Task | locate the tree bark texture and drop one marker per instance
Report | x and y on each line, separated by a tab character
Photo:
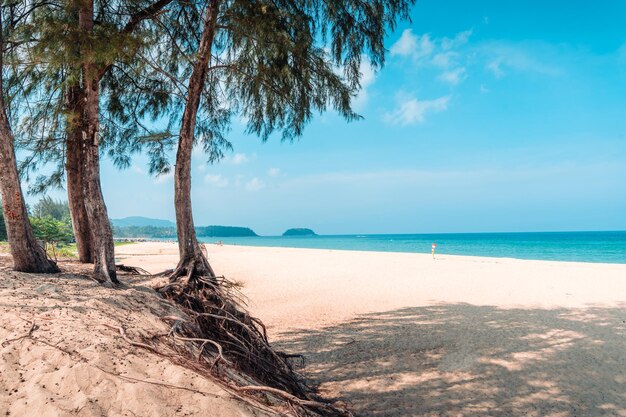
192	260
74	172
101	233
28	255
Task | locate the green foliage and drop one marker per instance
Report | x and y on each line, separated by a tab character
3	228
151	232
5	247
274	64
54	233
154	232
51	230
224	231
299	232
67	251
47	207
46	65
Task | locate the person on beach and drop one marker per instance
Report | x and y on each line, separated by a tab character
433	247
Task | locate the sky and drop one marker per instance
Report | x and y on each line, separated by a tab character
488	116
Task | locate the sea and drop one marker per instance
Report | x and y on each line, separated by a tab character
604	247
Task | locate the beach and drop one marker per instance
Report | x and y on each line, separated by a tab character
399	334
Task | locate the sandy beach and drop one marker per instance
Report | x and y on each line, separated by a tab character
396	334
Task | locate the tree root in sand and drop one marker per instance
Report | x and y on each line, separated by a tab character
132	270
223	333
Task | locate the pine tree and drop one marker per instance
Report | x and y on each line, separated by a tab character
28	255
81	42
48	207
273	62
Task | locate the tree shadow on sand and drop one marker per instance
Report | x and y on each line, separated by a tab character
465	360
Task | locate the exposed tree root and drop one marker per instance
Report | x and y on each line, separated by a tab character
318	405
223	333
197	265
33	327
132	270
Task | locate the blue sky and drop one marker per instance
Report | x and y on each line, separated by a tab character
488	116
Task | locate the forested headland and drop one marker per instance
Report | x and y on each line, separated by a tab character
155	232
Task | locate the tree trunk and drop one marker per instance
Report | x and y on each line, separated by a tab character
28	256
192	260
73	167
98	219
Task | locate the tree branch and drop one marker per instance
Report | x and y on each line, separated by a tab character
134	22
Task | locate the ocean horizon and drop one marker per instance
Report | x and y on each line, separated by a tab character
587	246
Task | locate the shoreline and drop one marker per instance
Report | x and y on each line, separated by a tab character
291	288
389	334
437	255
398	334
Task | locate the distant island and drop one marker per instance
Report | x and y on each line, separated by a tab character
299	232
144	227
141	221
224	231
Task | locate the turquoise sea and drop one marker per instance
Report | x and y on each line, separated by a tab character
608	247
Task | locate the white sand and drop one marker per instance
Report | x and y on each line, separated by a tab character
405	335
308	288
71	364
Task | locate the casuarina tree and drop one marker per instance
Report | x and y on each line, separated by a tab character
80	43
273	62
28	255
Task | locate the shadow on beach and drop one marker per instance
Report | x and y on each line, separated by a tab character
465	360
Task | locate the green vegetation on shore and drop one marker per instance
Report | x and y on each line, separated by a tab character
51	224
299	231
154	232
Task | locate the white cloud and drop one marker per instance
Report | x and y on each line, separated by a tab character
239	158
216	180
138	170
273	172
160	179
459	40
255	184
423	46
412	111
484	89
416	46
444	53
444	59
496	173
453	77
502	57
495	67
405	45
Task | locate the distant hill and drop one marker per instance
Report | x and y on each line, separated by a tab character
128	228
224	231
139	221
299	232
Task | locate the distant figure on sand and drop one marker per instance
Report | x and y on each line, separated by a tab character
434	246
